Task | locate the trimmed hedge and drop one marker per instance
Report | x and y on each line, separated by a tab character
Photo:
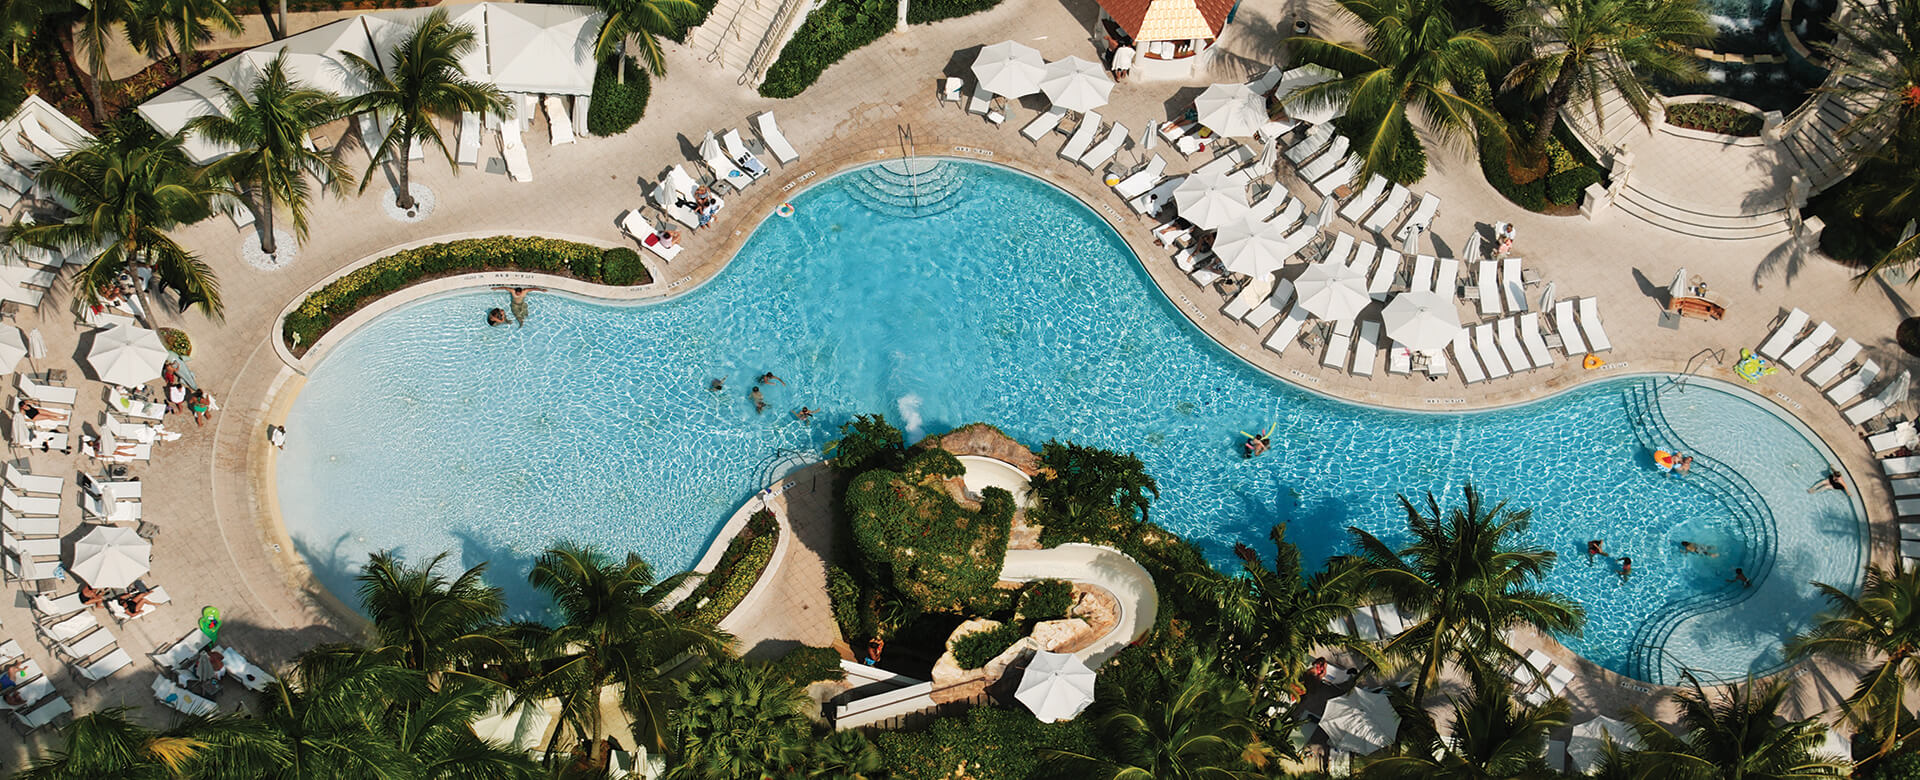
616	106
1715	118
976	649
986	743
746	558
805	665
930	11
1570	171
832	31
328	305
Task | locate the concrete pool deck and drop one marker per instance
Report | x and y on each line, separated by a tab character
211	491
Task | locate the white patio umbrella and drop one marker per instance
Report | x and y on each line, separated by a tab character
1411	234
1360	722
1250	246
1056	686
1076	84
1293	81
111	556
1010	69
13	348
1211	199
127	356
1586	747
1333	291
1896	390
1422	321
1231	109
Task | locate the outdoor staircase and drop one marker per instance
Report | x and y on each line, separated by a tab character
744	36
1603	132
1813	138
910	187
1702	221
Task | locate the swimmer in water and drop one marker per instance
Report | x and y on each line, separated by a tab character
1626	568
717	385
496	316
1686	465
759	401
1741	577
1693	549
1593	548
768	378
1832	481
804	414
519	304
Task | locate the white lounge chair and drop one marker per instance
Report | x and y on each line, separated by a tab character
469	151
1325	164
1784	336
239	668
737	149
107	665
181	651
1341	176
1311	144
1488	281
582	108
1851	388
47	547
1243	302
1530	337
1284	333
1366	349
1156	199
185	701
950	89
1590	327
1228	159
1463	354
1397	197
1901	487
723	169
118	401
774	141
1804	351
676	186
1363	256
1399	360
47	394
1446	277
514	151
1508	337
1138	182
981	101
1341	249
1569	330
1907	464
44	714
1358	205
635	225
1339	345
1422	278
64	605
1902	434
1488	351
35	688
1043	124
34	483
1391	624
559	121
1082	138
1271	306
1514	286
30	525
1365	626
80	649
28	505
1384	274
1423	214
119	512
72	627
1830	368
1891	393
1107	148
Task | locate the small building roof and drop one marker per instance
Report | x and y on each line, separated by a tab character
1169	20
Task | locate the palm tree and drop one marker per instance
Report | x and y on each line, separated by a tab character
107	743
176	28
1875	57
1736	736
610	632
643	23
844	755
1413	58
269	123
126	190
432	623
1195	726
437	732
1881	625
424	83
1883	192
1583	49
1469	580
1271	619
1493	736
93	21
738	720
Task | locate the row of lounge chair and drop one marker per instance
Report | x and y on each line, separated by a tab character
38	704
728	159
67	627
1790	345
1372	622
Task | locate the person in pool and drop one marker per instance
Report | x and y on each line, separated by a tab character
804	414
759	401
1593	549
1686	465
1257	446
1741	577
1626	568
519	303
768	378
1832	481
717	385
496	316
1694	549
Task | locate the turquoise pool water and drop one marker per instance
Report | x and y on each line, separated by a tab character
1008	301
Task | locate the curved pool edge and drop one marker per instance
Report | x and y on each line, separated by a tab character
760	206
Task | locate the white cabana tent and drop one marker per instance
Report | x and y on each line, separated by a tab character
111	556
474	17
127	356
1585	747
170	111
542	48
523	727
1332	291
1360	722
387	29
1009	69
1422	321
314	57
1056	686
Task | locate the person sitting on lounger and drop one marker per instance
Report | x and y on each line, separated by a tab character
37	413
10	684
91	597
668	238
134	603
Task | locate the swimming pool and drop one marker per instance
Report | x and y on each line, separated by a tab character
1008	301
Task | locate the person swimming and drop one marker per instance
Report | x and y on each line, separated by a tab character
1593	549
804	414
519	303
1257	445
1741	577
496	316
1693	549
768	378
1832	481
1686	465
717	385
759	401
1626	568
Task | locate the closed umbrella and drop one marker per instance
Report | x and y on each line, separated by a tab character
1211	199
1333	291
1010	69
1678	288
1588	744
13	348
1250	246
1324	216
1360	722
127	356
1231	109
1422	321
1056	686
111	556
1549	297
1076	84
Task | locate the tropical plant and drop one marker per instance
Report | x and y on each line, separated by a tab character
1270	619
432	624
1736	735
1883	194
641	23
1584	49
738	720
845	755
1080	481
424	83
867	442
106	743
1192	726
125	191
86	27
1875	57
177	28
611	632
1492	736
1413	58
268	123
1881	626
1468	579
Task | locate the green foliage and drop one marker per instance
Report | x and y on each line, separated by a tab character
586	266
616	106
13	88
328	305
991	743
1046	600
924	546
976	649
1409	162
176	341
1564	188
867	442
739	567
621	267
844	592
805	665
738	720
1080	484
930	11
933	462
1569	172
832	31
1905	766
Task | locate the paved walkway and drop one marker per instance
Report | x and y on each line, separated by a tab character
212	491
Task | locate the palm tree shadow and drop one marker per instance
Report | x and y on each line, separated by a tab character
507	570
1785	261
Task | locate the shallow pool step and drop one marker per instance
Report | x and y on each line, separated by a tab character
909	188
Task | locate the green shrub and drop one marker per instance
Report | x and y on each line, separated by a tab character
176	341
844	593
1564	188
327	306
616	106
1531	196
13	88
745	559
930	11
993	743
586	266
1715	118
829	33
805	665
867	442
621	267
976	649
1046	600
914	538
933	463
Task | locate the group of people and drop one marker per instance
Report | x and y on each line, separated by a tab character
134	602
1597	548
759	398
518	302
704	205
181	398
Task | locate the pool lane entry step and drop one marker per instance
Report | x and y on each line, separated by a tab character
909	187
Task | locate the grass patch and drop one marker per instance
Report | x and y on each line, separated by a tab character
1715	118
930	11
